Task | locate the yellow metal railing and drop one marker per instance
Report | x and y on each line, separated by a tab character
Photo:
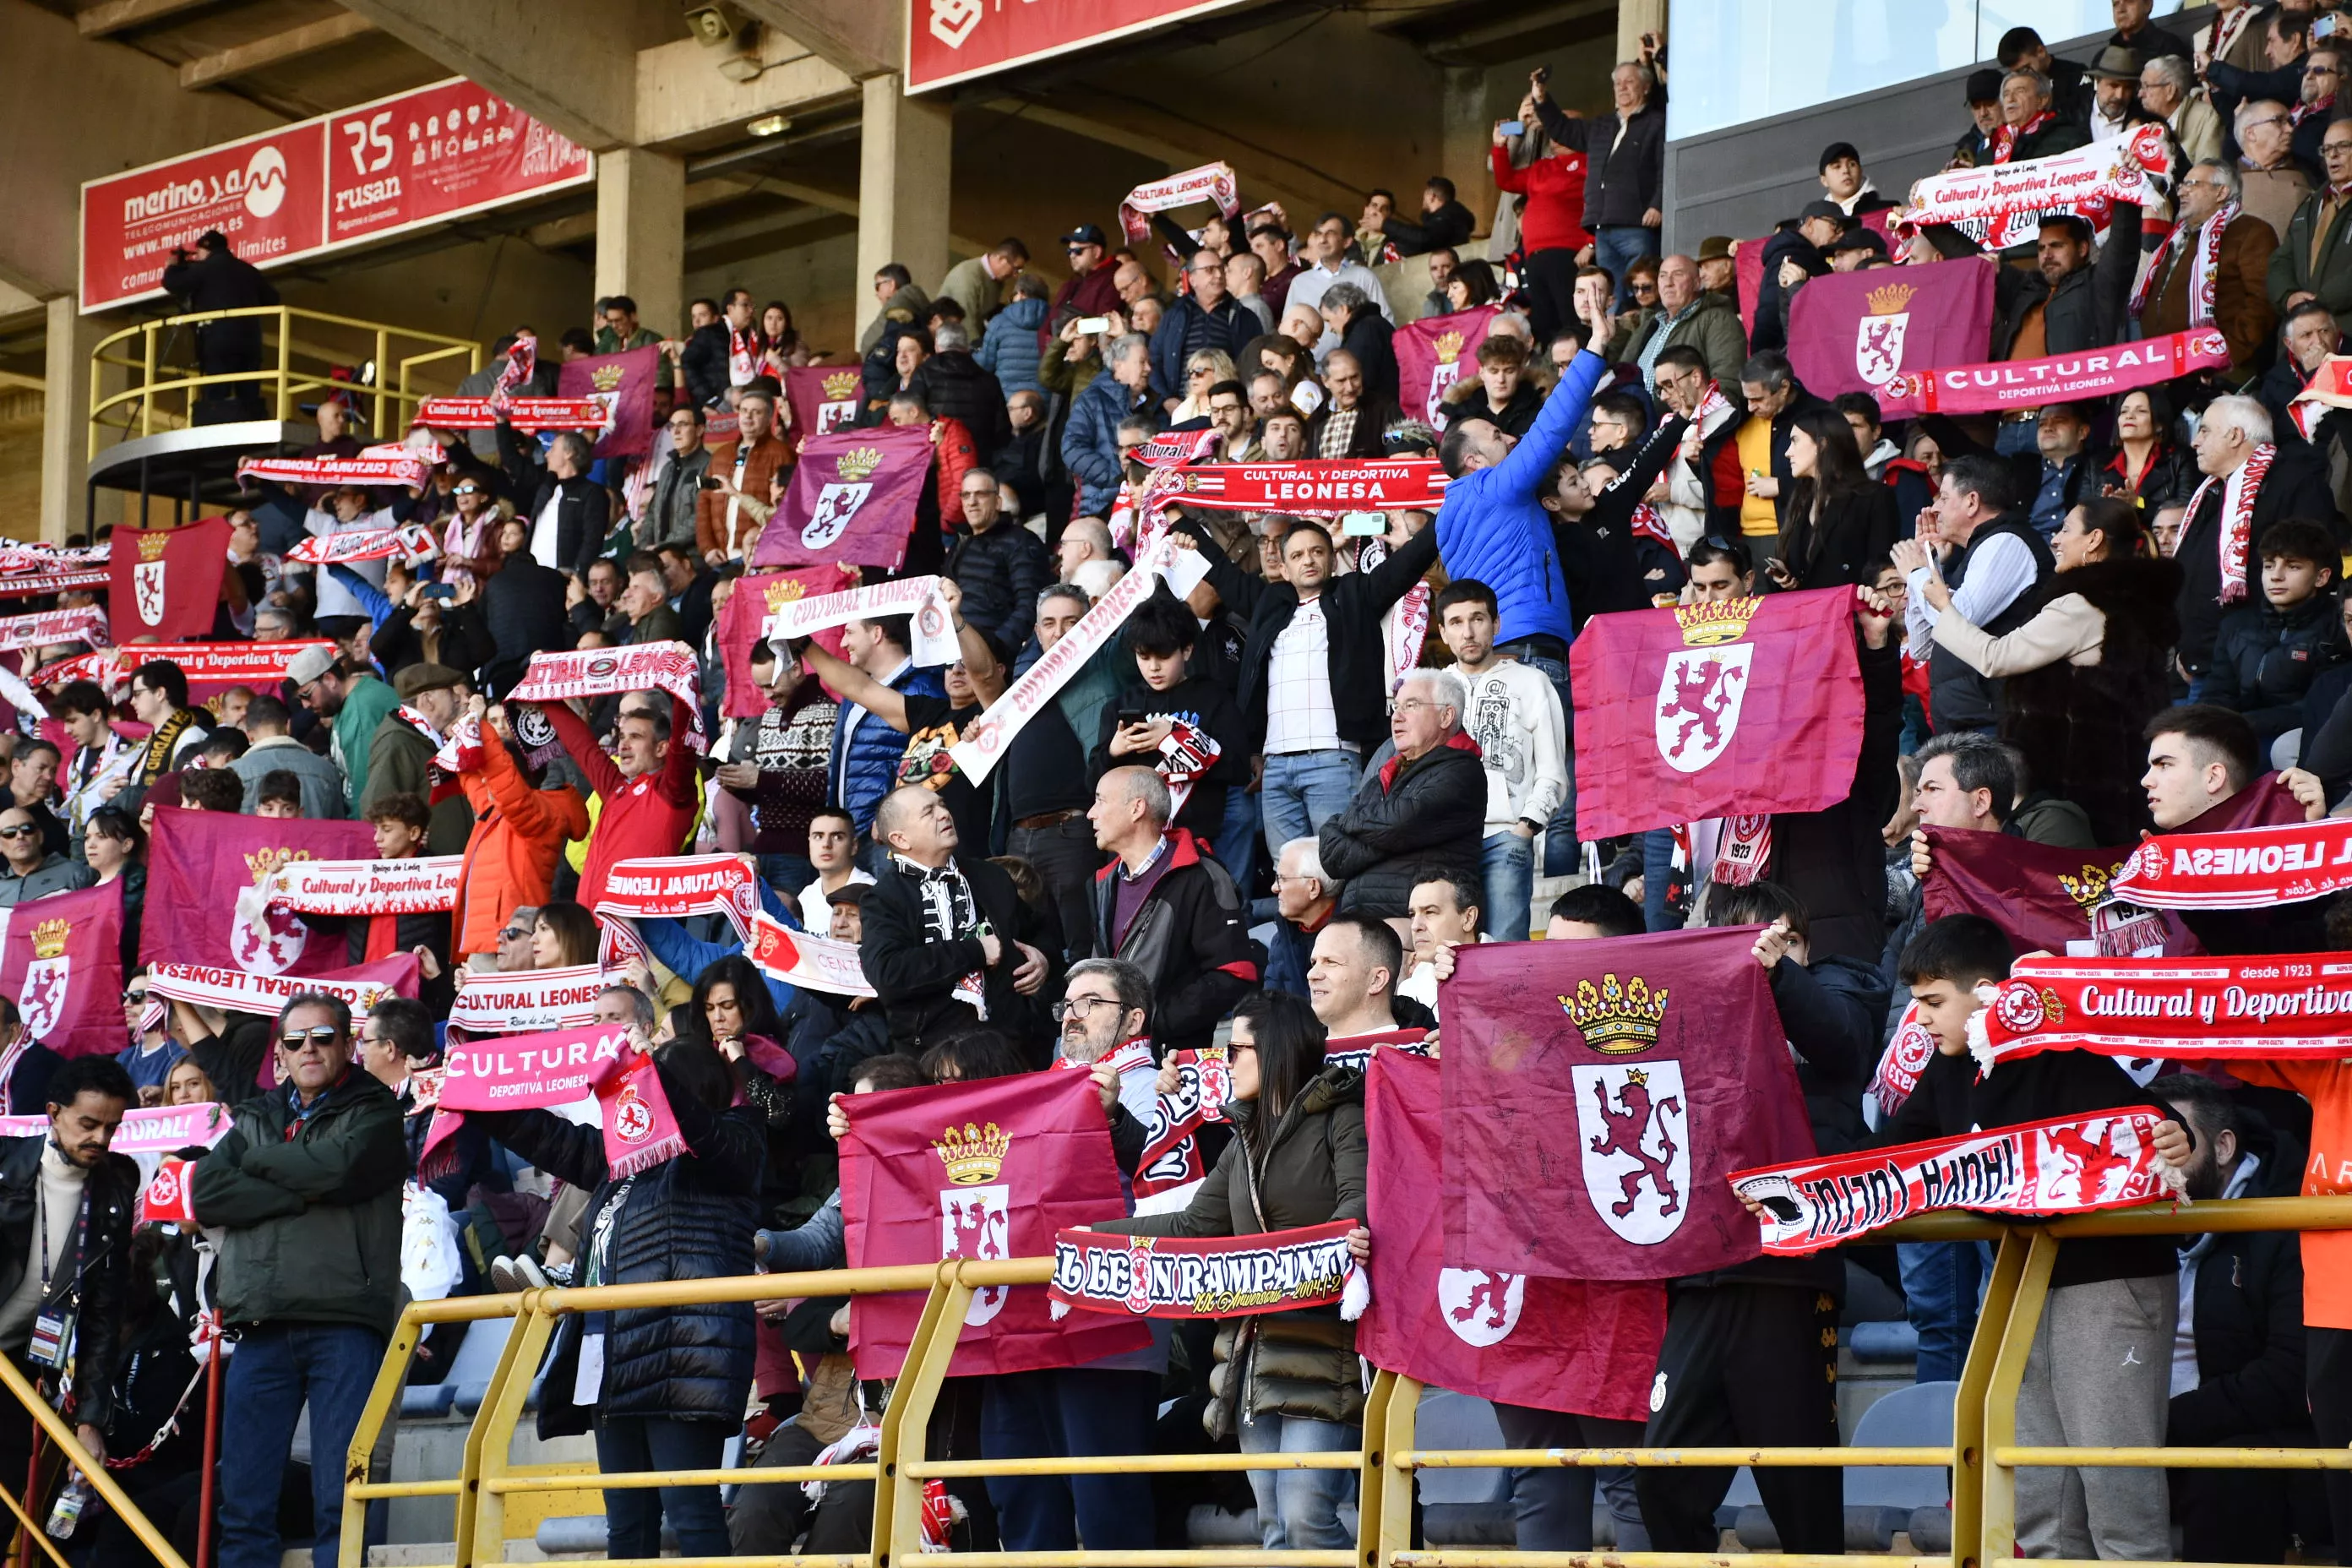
409	366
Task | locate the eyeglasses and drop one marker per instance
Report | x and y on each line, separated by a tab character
2319	70
323	1040
1081	1006
136	995
20	831
513	934
2273	120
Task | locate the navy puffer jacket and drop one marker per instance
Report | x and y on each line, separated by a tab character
691	1217
1009	352
865	762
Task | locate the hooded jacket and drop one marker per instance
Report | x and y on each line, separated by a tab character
1009	351
1190	937
1410	821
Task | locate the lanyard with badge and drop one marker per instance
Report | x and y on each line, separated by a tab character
588	1381
53	1326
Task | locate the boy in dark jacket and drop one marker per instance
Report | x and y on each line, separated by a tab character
1141	727
2266	655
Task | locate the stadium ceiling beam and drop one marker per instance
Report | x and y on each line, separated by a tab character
858	37
569	76
109	17
243	59
681	93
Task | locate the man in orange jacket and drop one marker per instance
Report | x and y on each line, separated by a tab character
520	832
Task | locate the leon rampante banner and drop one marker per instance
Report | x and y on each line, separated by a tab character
244	991
492	1004
409	542
364	887
918	598
165	582
803	958
676	886
145	1129
2295	1005
87	623
530	415
2058	378
853	499
1217	1276
2072	1165
1320	486
2252	869
2002	205
545	1071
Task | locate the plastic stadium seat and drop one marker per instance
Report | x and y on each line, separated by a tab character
423	1402
1463	1508
1879	1500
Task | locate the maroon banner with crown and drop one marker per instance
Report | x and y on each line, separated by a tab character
2039	894
622	384
1857	332
61	962
1436	353
745	615
1741	707
196	863
164	583
992	1169
853	499
1598	1093
822	398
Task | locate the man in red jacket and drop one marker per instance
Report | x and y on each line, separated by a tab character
646	790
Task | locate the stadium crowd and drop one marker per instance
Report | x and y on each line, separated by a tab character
1265	812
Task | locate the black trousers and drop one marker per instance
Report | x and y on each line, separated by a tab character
2327	1379
2247	1516
1551	292
1553	1504
1746	1364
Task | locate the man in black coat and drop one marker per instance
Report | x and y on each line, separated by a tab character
1364	333
2294	486
939	944
569	513
956	386
523	605
999	567
215	279
2083	302
1445	222
1420	815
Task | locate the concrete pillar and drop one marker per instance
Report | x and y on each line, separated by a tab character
1635	18
902	188
641	233
65	422
1464	134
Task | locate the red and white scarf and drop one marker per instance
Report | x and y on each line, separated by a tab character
409	540
361	886
87	623
1743	848
743	350
145	1129
2289	1006
2005	139
1906	1058
1647	524
599	672
244	991
462	752
799	958
522	361
1209	182
2204	265
2247	868
1185	755
2240	489
492	1004
1131	1057
544	1071
2303	111
673	887
528	415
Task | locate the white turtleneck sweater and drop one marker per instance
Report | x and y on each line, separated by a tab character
59	1207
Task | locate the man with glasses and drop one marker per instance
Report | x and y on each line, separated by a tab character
670	515
2312	260
724	525
1422	813
1167	909
306	1189
1090	289
514	956
2271	180
28	870
1693	487
1207	318
2212	268
999	567
1092	445
1327	246
2115	112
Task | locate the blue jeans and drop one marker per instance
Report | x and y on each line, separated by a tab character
1657	875
1300	1509
1617	246
1942	1283
632	1515
1506	876
1302	790
1070	1412
277	1369
1237	836
1560	833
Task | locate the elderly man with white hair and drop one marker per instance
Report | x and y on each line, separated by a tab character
1306	896
2167	89
2273	184
1420	815
2213	268
2250	483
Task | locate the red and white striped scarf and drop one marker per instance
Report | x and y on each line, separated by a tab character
2005	139
1647	524
2204	265
742	356
2239	492
522	361
2222	36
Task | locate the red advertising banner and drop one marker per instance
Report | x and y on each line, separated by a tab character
953	40
360	174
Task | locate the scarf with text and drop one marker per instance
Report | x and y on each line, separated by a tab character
544	1071
528	414
362	887
2239	492
1743	848
2289	1006
144	1130
1356	1050
1209	182
205	664
930	625
1320	487
522	363
494	1003
86	624
462	752
803	959
1906	1058
63	583
244	991
2204	265
1197	1278
1172	1147
160	743
612	672
385	463
2075	1165
675	885
2251	868
409	542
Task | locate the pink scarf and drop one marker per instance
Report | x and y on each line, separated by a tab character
2239	492
547	1070
2204	267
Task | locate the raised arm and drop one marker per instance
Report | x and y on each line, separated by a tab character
572	731
1529	461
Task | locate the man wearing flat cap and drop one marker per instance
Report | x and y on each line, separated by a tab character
400	756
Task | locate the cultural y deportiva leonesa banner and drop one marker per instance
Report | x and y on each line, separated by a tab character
1216	1277
2002	205
1728	708
493	1003
1320	487
245	991
1596	1094
544	1071
673	887
319	184
1981	388
2252	869
2297	1005
1857	332
2072	1165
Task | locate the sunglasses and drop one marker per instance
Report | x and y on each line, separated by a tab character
137	996
513	934
20	831
321	1039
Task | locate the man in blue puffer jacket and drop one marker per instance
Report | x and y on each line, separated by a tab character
864	766
1492	528
1090	441
1009	352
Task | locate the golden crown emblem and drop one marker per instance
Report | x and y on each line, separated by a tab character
608	376
1448	346
974	1156
49	939
1617	1019
1636	1076
152	546
262	862
860	461
1890	299
782	593
840	384
1713	621
2088	889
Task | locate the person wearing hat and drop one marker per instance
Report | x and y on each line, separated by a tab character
1983	98
1848	188
2115	111
1856	249
1090	291
1718	268
724	527
1796	252
215	279
350	702
400	755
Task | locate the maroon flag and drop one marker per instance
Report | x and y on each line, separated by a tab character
1737	708
1598	1093
756	599
1575	1345
822	398
2041	895
61	959
197	863
853	499
163	584
623	384
992	1169
1856	331
1435	353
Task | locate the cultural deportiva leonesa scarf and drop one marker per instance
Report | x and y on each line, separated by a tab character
528	414
802	958
610	672
2296	1006
2238	491
2204	265
87	623
245	991
540	1072
409	542
2250	868
1321	487
1171	1151
1209	182
1220	1276
386	463
204	663
1906	1057
492	1004
917	598
522	362
673	887
2068	1165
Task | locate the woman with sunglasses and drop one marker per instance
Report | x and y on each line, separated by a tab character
1290	1381
470	550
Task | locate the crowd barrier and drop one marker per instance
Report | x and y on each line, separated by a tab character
1983	1458
160	396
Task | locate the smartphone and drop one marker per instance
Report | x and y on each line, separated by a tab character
1358	523
1094	323
1130	716
1514	127
710	484
440	591
2323	25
